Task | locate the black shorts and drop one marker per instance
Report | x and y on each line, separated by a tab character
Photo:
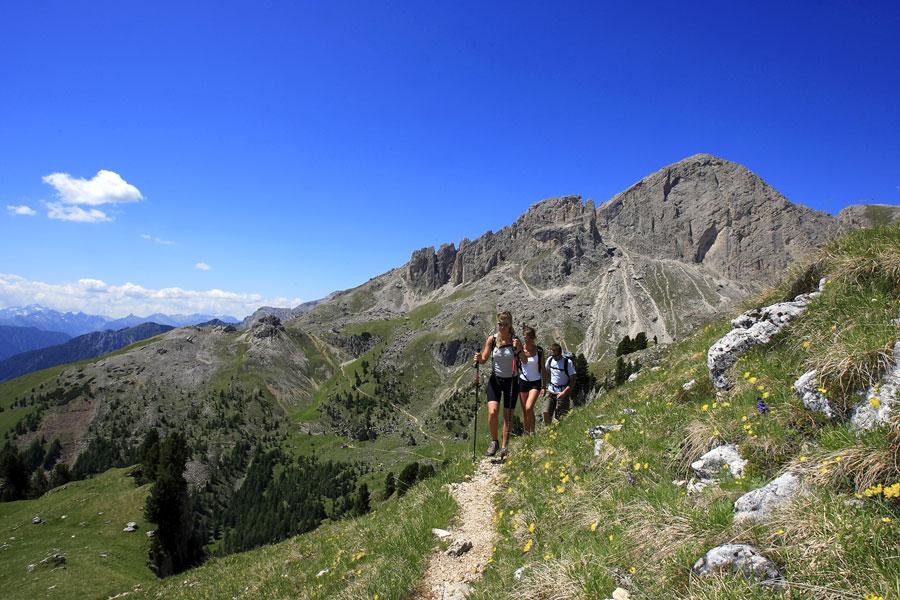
506	388
527	386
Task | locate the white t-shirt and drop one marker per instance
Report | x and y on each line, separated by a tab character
531	368
558	380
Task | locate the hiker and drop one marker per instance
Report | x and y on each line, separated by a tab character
559	390
502	348
532	377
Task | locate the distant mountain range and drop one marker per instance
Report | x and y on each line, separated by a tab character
79	323
84	346
14	340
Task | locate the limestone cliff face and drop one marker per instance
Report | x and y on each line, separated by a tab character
709	211
701	210
560	233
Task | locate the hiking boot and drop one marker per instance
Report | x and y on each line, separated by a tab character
492	448
504	452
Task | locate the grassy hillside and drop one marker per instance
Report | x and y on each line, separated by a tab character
581	525
82	520
380	555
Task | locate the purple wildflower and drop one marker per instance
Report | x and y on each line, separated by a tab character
761	406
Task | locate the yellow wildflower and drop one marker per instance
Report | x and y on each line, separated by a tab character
886	519
779	532
632	570
807	344
892	491
744	418
528	545
765	395
705	407
560	489
531	528
611	537
874	402
753	380
594	526
746	374
637	466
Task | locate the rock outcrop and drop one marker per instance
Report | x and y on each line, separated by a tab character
758	504
752	328
738	559
880	402
807	387
711	464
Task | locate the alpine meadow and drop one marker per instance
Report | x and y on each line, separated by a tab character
282	314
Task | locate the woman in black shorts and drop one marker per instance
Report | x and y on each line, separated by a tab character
532	375
502	348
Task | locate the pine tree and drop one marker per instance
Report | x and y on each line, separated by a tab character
361	502
38	484
60	475
640	342
13	473
53	454
149	455
621	371
407	477
34	455
176	546
390	485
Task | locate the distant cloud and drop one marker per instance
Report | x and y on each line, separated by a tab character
152	238
64	212
203	266
20	210
98	297
106	187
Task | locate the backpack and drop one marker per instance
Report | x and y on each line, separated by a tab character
566	358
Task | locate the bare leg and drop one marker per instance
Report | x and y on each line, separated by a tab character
528	407
493	409
523	400
507	415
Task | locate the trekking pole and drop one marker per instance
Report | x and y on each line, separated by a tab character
475	418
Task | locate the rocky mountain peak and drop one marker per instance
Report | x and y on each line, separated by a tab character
704	209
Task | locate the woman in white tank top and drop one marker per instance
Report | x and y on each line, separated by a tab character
532	377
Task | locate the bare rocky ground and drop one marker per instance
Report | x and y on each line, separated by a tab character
449	577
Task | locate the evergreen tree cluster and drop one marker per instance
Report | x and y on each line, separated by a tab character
281	497
628	345
624	369
411	473
24	474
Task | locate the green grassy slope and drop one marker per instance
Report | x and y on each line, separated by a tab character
82	520
581	525
379	555
594	530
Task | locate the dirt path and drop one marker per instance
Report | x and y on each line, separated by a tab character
449	577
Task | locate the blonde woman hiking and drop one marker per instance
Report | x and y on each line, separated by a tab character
501	348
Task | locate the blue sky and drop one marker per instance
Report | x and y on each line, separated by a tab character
298	148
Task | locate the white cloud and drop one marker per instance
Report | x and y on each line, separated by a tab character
64	212
153	238
98	297
106	187
20	210
203	266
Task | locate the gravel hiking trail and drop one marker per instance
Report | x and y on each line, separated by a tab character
450	577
